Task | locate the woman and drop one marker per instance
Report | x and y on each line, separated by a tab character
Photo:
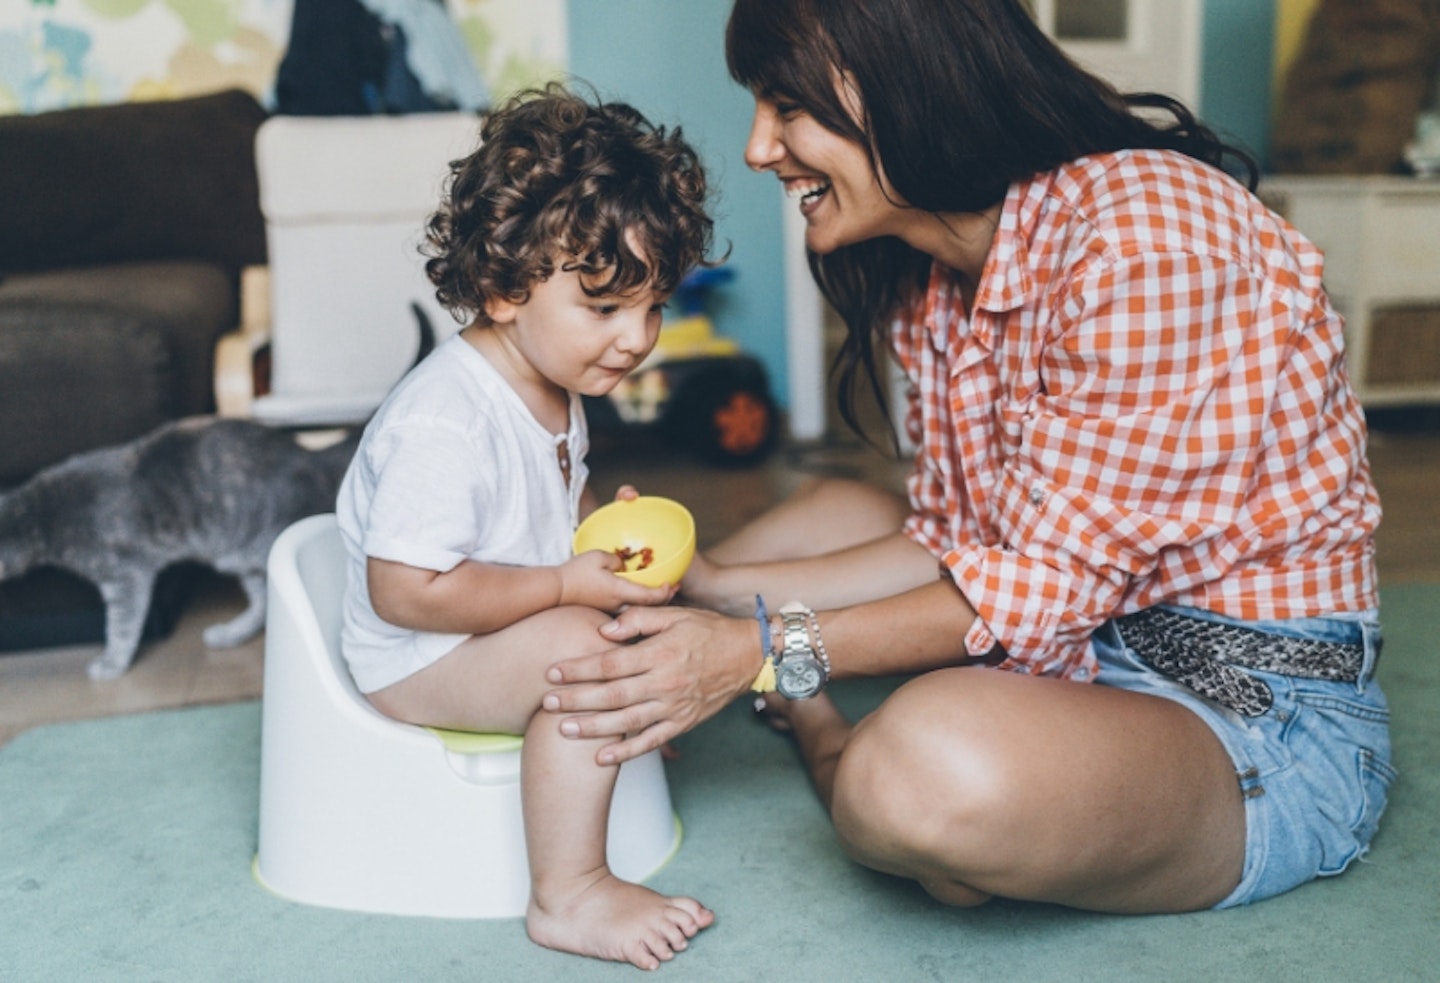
1143	674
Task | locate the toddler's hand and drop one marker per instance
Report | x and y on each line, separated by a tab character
591	579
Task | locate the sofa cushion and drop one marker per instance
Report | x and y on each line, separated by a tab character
136	181
192	304
74	376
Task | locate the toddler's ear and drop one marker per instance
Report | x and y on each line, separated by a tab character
500	310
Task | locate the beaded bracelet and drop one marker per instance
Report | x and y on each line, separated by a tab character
814	624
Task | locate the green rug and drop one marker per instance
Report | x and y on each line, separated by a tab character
125	849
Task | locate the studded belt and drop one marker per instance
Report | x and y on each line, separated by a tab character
1211	657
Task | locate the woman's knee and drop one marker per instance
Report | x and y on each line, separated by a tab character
858	500
912	786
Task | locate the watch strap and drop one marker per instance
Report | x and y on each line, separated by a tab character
795	634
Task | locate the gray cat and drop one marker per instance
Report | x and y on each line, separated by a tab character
207	490
216	491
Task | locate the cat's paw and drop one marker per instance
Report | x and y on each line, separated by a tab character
228	635
106	667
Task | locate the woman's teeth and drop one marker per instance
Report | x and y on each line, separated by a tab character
807	191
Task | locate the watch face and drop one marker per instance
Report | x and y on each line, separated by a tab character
798	678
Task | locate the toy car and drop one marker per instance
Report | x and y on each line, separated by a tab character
696	389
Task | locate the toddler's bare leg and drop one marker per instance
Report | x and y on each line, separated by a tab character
576	903
494	682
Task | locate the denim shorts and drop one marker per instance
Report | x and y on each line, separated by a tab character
1314	769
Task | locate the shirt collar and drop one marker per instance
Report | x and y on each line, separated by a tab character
1005	280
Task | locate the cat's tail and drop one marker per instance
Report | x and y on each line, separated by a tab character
427	333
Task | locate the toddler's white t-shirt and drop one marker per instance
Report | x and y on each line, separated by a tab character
452	466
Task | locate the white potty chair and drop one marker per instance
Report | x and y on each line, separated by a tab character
361	812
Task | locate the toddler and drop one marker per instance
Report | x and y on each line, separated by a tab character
558	241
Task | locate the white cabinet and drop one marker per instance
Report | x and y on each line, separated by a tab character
1381	239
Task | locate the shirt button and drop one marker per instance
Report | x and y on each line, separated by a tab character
1037	495
1082	674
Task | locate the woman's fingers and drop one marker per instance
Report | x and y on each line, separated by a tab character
641	729
673	668
637	622
636	745
598	667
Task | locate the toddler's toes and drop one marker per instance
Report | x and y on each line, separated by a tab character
694	915
679	938
642	953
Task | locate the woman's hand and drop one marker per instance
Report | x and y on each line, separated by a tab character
687	666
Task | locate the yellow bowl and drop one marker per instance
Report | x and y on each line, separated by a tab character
662	526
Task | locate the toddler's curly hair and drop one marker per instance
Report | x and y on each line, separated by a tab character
559	182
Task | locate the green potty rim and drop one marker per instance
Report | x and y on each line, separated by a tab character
474	742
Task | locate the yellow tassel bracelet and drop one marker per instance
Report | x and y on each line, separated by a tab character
765	678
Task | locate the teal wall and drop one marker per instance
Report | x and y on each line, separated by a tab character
667	58
1235	71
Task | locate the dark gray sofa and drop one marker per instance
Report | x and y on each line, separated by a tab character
123	231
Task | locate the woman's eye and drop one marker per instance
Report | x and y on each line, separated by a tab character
605	310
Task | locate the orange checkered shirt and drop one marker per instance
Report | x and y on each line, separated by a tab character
1148	404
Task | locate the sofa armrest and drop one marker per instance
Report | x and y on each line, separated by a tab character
242	356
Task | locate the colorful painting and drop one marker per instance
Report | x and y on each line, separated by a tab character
60	53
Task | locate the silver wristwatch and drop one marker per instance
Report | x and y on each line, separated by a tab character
800	673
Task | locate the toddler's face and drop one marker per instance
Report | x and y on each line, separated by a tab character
581	343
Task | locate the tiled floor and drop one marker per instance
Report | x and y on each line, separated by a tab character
50	685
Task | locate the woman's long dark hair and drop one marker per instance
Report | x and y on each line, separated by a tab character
961	99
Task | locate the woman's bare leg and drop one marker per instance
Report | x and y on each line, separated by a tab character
820	730
976	783
494	683
821	516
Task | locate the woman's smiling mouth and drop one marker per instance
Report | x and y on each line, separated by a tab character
809	192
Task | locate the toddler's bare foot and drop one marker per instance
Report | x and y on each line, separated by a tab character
613	919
